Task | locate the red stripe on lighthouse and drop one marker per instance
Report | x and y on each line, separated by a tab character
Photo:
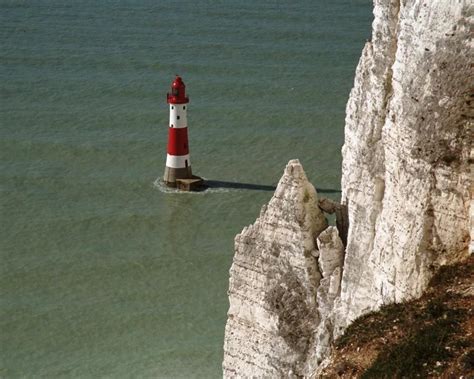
178	141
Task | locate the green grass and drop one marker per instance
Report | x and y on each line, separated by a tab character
417	334
374	324
417	355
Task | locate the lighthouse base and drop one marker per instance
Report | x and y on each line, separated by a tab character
182	179
172	174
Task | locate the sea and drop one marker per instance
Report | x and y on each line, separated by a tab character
105	273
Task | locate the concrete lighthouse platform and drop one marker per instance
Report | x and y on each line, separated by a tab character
191	184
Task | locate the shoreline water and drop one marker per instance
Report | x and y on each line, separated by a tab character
103	274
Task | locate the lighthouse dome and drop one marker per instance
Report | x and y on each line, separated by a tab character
178	92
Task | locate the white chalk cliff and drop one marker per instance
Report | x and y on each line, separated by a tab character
405	176
273	284
406	187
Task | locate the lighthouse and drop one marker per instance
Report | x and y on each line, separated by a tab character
178	171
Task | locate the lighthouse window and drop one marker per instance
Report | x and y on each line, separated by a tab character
172	125
184	107
172	107
177	117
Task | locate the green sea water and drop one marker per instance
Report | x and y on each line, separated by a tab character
104	274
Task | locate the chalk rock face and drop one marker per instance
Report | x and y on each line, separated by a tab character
405	176
274	279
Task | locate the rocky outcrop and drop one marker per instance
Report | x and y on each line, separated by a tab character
405	189
284	279
274	279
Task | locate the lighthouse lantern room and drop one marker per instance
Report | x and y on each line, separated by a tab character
178	165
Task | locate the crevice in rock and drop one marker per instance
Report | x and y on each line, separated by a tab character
342	218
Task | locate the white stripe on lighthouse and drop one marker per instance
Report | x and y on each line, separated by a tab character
177	161
178	117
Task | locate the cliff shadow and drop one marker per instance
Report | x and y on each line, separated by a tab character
238	185
255	187
327	190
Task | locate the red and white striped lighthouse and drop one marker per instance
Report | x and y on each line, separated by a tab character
178	165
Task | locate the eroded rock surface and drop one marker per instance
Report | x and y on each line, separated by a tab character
405	176
274	279
330	260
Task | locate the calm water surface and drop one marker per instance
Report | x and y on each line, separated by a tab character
103	274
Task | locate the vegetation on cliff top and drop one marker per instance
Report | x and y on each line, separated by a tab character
428	337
